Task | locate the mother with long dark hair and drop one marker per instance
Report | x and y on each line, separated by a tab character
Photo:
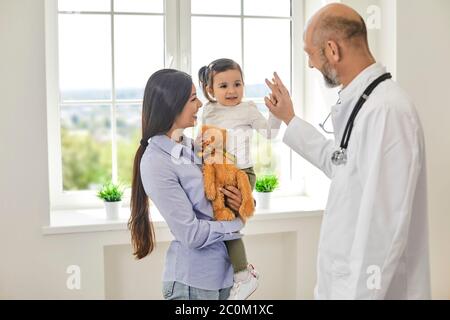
167	170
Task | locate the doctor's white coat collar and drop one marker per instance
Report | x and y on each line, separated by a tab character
350	95
361	82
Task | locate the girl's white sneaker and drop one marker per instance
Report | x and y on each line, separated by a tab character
243	289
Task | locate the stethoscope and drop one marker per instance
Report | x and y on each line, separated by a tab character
339	157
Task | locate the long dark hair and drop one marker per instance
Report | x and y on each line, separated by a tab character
166	93
206	74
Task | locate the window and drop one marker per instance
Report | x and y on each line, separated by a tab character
100	54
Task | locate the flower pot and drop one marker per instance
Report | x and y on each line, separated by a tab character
112	209
263	200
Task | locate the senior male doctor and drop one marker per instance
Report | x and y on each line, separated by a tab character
374	234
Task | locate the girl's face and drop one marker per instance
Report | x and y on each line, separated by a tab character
188	117
228	88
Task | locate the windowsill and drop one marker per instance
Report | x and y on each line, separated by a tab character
94	220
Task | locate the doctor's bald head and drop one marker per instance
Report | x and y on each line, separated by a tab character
335	39
341	24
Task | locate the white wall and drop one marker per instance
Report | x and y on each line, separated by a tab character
34	266
31	266
423	69
271	254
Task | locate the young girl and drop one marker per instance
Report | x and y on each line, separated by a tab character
223	85
197	264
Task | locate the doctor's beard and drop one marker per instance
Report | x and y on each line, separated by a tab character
330	75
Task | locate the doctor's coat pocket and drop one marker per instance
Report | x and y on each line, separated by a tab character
340	277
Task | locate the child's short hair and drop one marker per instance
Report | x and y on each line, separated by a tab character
206	73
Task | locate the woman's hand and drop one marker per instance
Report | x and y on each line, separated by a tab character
233	197
279	102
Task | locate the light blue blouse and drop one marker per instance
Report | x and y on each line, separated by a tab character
172	178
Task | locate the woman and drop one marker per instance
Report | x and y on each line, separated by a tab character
168	171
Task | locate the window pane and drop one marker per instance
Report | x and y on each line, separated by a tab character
261	60
128	137
139	51
263	156
86	146
299	167
270	156
282	154
279	8
208	43
153	6
84	5
228	7
273	157
84	56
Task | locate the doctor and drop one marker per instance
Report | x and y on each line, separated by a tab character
374	238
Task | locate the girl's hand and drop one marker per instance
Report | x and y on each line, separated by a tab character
233	197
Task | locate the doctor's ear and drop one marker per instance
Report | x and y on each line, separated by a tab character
334	51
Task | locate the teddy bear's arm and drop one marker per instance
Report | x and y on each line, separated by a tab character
209	181
248	205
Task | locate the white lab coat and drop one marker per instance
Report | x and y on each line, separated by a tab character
374	234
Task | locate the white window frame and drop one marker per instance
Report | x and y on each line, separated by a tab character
177	18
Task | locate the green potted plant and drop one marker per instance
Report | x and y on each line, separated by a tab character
111	194
264	187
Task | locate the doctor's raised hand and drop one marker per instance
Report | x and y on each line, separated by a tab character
279	102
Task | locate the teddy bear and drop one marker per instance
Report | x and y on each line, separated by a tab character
219	171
